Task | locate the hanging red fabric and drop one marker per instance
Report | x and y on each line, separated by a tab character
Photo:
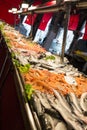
5	5
85	34
46	17
31	17
73	22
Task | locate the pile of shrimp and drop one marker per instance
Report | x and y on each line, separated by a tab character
46	81
17	41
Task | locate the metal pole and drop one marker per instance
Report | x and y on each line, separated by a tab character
67	8
14	20
31	34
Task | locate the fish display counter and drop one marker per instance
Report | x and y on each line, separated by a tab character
52	95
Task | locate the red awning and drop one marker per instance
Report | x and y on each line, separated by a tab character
5	5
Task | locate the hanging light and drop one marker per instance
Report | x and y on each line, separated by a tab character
24	6
13	10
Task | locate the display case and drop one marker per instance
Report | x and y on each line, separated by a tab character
60	90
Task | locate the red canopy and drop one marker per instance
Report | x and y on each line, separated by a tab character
5	5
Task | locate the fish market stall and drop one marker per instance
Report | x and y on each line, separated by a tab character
52	95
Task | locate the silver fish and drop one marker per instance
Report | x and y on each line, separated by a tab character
83	101
37	104
75	106
45	103
75	101
46	122
43	99
61	126
62	100
67	115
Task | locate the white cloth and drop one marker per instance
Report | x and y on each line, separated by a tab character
26	26
56	45
40	35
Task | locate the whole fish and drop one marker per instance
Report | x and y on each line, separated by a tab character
45	103
35	102
74	100
46	122
83	101
67	115
61	126
76	109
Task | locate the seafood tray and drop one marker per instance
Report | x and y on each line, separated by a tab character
59	94
55	111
